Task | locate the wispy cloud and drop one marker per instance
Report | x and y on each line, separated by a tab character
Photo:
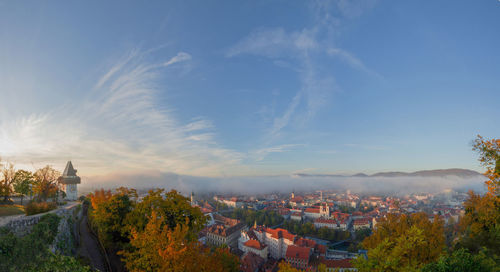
119	127
351	60
276	43
260	154
302	51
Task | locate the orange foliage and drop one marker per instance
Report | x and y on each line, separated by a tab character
99	196
489	151
159	248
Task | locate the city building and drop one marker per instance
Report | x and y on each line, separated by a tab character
328	223
225	231
298	257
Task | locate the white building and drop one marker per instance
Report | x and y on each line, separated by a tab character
324	222
248	243
277	240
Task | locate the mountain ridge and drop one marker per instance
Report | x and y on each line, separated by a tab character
459	172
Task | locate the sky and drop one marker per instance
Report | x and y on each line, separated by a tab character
248	88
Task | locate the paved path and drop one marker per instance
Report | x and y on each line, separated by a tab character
89	246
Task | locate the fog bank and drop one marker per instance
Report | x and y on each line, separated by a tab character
284	184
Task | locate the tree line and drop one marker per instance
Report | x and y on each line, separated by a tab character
42	183
158	232
262	217
414	243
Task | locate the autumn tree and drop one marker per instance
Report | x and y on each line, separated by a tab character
45	183
8	173
108	215
158	247
489	156
22	181
286	267
480	225
403	243
174	208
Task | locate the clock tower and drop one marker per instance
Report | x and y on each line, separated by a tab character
69	180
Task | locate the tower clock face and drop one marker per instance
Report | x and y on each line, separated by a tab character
72	189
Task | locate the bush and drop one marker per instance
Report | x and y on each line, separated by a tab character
35	207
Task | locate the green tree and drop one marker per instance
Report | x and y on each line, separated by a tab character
22	181
31	252
403	243
172	207
108	216
462	261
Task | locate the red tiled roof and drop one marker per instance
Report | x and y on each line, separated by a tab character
297	252
361	221
251	262
320	248
280	233
254	244
303	242
312	210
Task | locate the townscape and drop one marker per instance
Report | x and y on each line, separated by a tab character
350	216
126	229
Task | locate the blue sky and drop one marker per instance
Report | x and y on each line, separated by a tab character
244	88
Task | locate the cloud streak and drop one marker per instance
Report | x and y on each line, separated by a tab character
119	127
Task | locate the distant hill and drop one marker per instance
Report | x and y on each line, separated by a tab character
463	173
431	173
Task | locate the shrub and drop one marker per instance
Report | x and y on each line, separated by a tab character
35	207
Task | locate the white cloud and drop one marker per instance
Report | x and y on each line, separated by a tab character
118	127
181	56
260	154
298	46
351	60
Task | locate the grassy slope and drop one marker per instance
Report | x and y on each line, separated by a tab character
6	210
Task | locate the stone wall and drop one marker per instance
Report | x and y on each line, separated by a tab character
22	224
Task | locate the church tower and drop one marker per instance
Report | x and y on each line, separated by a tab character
69	180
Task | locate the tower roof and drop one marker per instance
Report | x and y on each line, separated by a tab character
69	170
69	175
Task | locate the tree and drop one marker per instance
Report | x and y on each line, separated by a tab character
286	267
158	247
174	208
22	181
461	261
489	156
8	173
480	225
45	184
403	242
108	216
